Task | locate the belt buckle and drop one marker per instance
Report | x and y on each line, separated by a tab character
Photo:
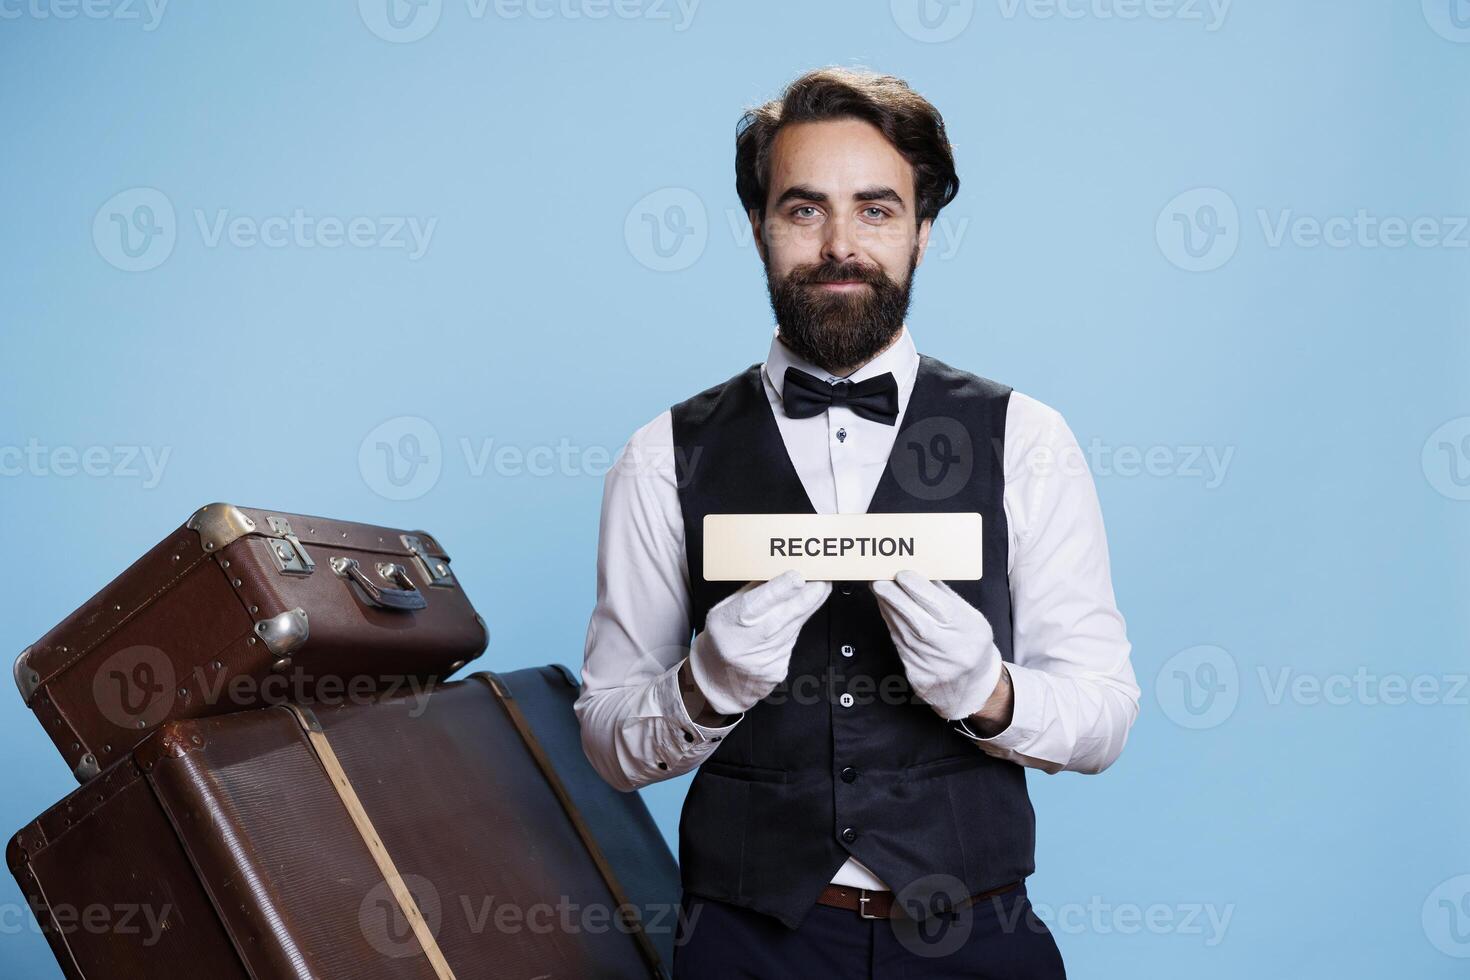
863	905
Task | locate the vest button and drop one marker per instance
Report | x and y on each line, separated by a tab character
845	700
849	835
845	588
849	774
847	650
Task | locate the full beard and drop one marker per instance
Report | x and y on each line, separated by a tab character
839	330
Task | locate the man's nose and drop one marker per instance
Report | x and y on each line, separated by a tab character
839	244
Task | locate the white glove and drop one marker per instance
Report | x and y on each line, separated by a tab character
947	646
744	650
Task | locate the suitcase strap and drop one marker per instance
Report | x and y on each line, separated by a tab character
631	916
415	918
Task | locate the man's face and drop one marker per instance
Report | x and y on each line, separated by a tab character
839	241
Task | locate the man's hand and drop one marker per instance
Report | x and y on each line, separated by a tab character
744	650
947	647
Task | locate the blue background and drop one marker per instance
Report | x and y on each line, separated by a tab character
543	313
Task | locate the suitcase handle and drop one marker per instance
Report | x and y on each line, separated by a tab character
405	596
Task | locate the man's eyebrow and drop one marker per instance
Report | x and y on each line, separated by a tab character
801	192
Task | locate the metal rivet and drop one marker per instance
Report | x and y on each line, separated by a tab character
225	563
237	583
251	641
255	609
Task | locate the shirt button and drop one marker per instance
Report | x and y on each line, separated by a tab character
688	736
847	650
849	835
715	738
849	774
841	435
846	700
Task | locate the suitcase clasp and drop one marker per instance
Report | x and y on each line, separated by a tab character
435	570
287	550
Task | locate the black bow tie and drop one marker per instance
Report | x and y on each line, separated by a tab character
805	395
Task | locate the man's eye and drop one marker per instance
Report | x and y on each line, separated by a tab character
797	211
876	213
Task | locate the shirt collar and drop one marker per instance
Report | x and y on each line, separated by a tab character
900	357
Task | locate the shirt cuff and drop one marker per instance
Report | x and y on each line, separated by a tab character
683	736
1028	698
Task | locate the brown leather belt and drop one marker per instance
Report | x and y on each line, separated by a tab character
880	904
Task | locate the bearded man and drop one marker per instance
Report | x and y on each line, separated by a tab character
859	805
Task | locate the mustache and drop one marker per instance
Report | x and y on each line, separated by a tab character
827	272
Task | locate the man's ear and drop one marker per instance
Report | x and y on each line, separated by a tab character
755	233
925	227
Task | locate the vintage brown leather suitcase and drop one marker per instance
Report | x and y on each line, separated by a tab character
620	822
413	836
240	608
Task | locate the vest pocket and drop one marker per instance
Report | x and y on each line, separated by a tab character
755	774
941	767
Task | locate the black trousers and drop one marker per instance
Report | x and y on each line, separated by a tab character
998	938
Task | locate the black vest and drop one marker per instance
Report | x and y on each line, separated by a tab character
804	780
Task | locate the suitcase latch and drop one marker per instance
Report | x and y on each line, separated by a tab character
288	551
435	570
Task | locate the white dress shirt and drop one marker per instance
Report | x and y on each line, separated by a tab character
1074	688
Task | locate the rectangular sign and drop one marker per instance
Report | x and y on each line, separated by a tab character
837	547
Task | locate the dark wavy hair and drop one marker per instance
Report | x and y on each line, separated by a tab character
907	119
